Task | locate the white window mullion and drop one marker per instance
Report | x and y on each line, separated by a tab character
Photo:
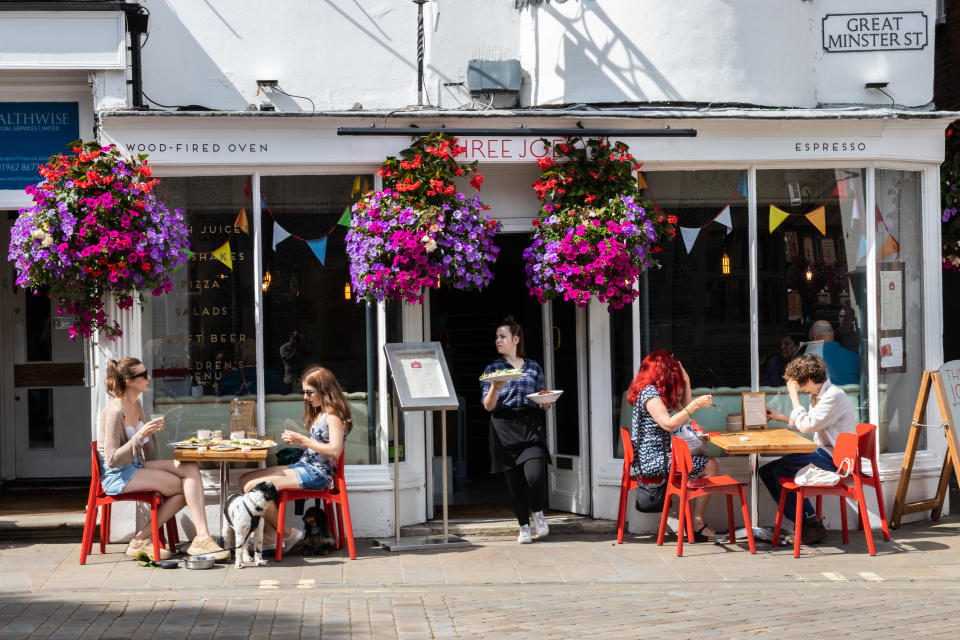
754	287
870	230
258	303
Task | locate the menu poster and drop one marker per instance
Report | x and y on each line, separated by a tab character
808	252
424	374
891	300
794	306
754	410
891	352
828	249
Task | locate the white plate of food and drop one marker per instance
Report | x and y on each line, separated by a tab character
223	447
502	375
544	396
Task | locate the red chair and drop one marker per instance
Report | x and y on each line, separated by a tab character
99	502
335	495
628	482
845	455
867	446
687	488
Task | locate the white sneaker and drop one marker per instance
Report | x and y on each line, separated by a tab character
540	528
525	537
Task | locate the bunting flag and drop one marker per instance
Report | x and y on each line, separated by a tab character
241	221
724	218
223	254
817	218
641	181
842	189
777	216
247	189
355	191
689	236
890	247
862	249
279	234
855	213
742	185
346	220
319	247
189	255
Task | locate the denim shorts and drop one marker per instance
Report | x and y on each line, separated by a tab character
114	480
309	477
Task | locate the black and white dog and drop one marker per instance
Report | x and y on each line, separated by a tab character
243	515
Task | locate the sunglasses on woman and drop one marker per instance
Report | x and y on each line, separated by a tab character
143	374
309	392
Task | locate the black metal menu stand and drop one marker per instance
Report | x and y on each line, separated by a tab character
421	382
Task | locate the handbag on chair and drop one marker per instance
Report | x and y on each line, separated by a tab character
812	475
650	497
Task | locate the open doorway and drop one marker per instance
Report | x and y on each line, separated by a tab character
465	324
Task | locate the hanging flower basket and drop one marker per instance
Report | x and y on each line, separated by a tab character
595	236
419	232
950	198
96	229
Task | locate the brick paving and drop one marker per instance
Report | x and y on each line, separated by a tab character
561	587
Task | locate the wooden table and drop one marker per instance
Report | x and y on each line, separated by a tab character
753	442
224	458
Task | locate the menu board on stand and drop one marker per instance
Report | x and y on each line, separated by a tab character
421	382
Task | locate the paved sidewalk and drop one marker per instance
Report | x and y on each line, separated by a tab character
561	587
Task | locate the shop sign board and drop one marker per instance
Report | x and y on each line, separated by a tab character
888	31
32	132
421	376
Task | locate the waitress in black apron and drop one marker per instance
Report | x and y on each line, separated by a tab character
518	441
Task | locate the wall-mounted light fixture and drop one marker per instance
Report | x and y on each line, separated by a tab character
809	274
879	86
267	280
347	294
725	264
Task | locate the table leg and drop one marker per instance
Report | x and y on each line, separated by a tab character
754	488
224	488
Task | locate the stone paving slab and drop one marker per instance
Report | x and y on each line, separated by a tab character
583	586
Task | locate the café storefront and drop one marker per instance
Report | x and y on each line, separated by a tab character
787	218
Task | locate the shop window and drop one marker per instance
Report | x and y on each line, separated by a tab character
812	277
199	340
899	302
621	373
309	315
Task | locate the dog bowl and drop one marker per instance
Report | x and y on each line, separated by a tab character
199	562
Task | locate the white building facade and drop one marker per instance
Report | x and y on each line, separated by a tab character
830	187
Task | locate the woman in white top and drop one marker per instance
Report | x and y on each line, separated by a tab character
127	465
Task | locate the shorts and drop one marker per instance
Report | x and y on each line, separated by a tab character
114	480
309	477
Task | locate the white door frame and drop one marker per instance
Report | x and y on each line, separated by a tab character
568	488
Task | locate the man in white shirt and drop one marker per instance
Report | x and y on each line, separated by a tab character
830	414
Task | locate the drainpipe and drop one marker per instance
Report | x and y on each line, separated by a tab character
137	22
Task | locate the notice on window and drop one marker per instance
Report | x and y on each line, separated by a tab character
891	300
828	249
423	373
808	250
891	352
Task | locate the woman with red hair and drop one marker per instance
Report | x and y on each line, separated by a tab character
662	403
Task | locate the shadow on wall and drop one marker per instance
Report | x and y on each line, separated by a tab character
192	76
585	58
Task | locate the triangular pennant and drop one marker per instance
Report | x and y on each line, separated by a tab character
777	216
724	218
241	221
689	236
319	247
247	191
355	190
818	218
222	253
890	247
855	213
345	219
279	234
878	218
862	249
742	185
189	255
263	203
842	189
641	181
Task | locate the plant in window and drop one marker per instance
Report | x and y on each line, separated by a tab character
950	196
594	235
95	229
419	231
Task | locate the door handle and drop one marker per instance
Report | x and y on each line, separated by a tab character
556	337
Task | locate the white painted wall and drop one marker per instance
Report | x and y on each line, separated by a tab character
340	54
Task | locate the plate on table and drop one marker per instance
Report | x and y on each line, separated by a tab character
545	396
503	376
184	445
223	447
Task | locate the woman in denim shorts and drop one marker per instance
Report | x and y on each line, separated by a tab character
326	415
